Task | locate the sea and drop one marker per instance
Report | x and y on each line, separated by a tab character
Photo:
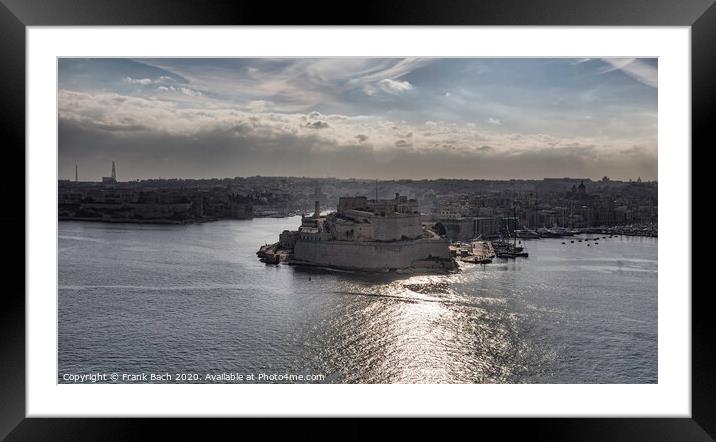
193	304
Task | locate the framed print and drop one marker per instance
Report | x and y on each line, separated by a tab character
473	211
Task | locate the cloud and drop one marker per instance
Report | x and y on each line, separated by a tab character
115	112
242	150
314	115
524	89
317	125
402	143
322	106
258	105
369	89
294	84
180	90
147	81
190	92
637	69
142	81
396	70
394	86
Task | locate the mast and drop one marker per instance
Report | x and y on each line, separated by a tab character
514	234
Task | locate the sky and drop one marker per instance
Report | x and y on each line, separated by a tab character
348	117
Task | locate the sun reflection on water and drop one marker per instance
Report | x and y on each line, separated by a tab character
422	328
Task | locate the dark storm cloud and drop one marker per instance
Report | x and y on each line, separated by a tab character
234	151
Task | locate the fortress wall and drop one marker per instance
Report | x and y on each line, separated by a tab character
369	255
353	231
390	228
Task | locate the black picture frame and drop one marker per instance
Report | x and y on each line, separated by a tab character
16	15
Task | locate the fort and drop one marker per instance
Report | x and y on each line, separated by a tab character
367	235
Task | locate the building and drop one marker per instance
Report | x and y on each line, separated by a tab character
368	235
110	179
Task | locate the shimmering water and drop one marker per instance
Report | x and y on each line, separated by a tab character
195	299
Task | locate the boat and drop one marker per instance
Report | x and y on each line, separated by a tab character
505	249
527	234
512	255
548	233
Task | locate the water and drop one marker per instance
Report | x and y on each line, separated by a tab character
195	299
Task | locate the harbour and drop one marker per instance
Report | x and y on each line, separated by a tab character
165	298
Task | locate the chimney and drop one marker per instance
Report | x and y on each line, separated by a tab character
317	210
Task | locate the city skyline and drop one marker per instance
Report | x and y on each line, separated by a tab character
118	178
358	117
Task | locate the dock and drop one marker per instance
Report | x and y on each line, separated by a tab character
475	252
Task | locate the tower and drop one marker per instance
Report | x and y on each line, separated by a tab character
76	173
114	172
317	210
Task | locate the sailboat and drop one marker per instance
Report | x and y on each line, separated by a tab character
507	250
